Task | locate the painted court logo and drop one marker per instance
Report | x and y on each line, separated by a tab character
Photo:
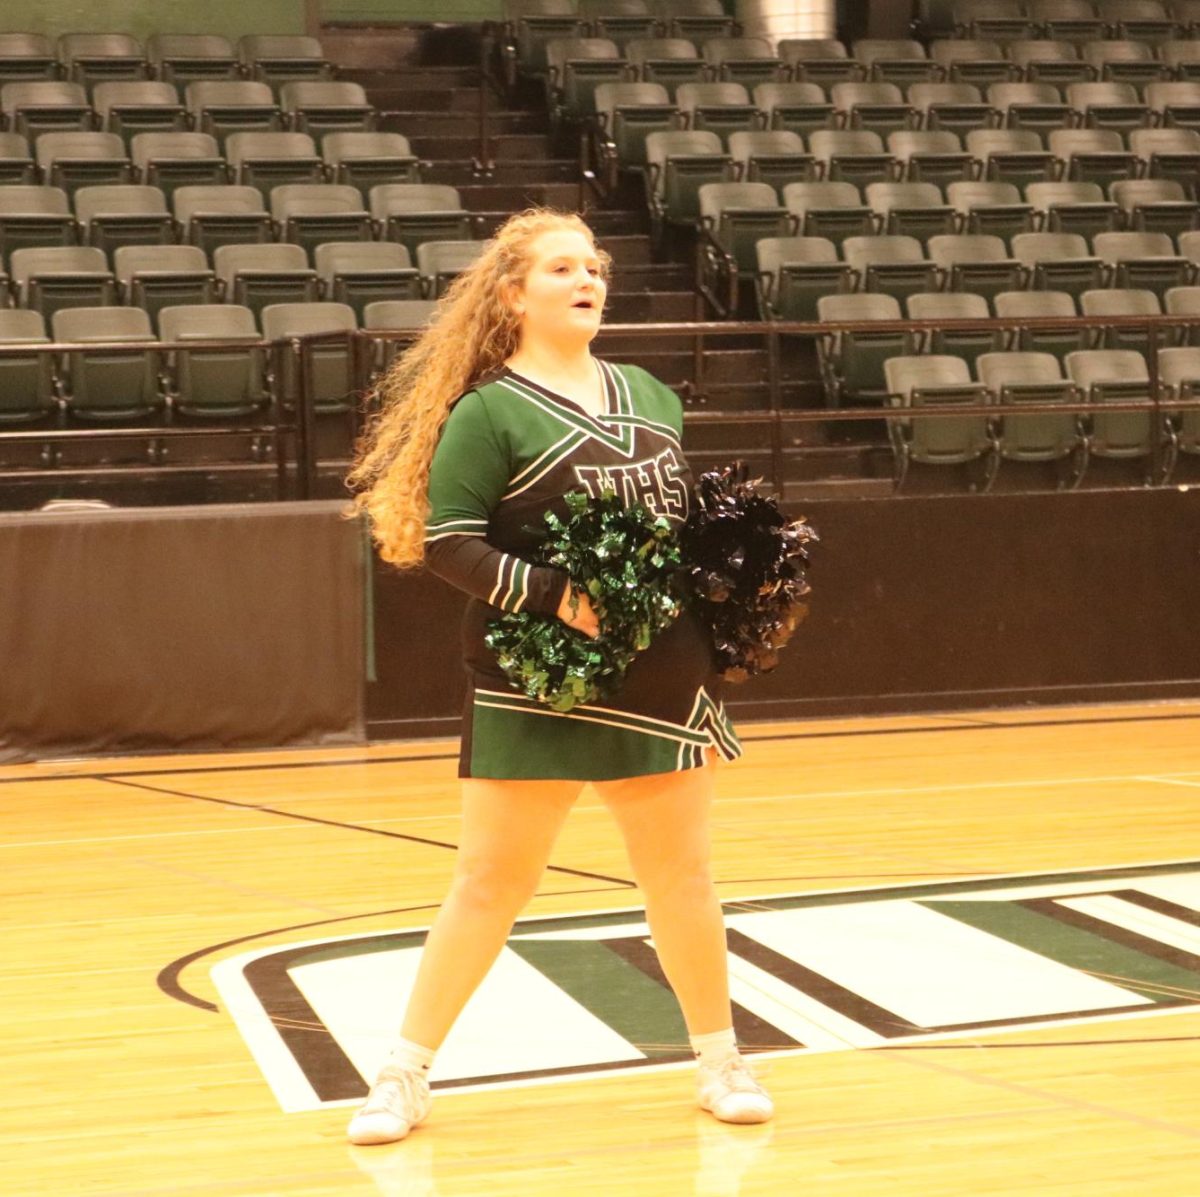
809	972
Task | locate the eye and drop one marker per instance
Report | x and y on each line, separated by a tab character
594	271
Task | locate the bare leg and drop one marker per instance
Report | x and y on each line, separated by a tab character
664	821
508	831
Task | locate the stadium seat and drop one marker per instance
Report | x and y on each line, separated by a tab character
129	108
1175	104
1050	60
123	214
823	61
795	272
172	160
74	160
1073	208
45	106
438	262
331	370
221	215
1138	20
108	383
829	209
359	273
48	279
1124	61
965	343
27	58
327	107
794	107
32	216
1042	305
255	276
574	68
695	19
772	156
1000	20
1179	370
895	266
993	209
1143	260
1114	106
1184	301
266	160
878	107
1169	154
667	61
978	63
627	113
677	165
160	276
398	313
852	156
621	21
852	362
1068	20
414	212
1092	156
209	383
720	108
532	25
1059	262
1120	303
976	263
16	162
745	60
1156	206
183	58
309	213
1011	156
1036	106
900	61
911	209
26	381
931	156
735	215
221	107
365	160
279	59
1183	58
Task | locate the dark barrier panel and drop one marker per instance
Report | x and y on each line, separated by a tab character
232	626
920	603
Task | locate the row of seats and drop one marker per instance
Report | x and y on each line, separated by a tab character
155	277
1099	377
112	215
89	58
217	107
113	383
170	160
679	164
1045	60
1075	19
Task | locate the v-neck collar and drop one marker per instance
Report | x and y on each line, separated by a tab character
607	389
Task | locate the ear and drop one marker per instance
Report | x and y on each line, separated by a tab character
513	300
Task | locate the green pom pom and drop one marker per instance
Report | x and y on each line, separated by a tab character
628	563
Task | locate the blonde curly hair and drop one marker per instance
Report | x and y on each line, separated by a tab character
473	333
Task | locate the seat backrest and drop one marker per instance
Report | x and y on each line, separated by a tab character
338	147
660	146
1034	304
102	324
800	197
394	198
982	143
1090	366
690	96
923	95
1145	142
769	96
776	252
299	199
98	45
1117	50
653	49
1130	193
1042	195
869	251
1179	365
281	320
717	50
227	93
953	49
746	145
203	198
21	324
25	45
874	49
997	370
903	143
1049	247
883	197
846	96
443	257
59	259
207	321
334	257
1081	96
112	199
947	305
1183	301
133	93
866	306
255	47
310	93
398	313
48	93
1003	96
907	374
161	47
147	147
241	146
614	95
14	146
1120	247
28	198
950	248
832	143
561	50
52	147
230	260
980	193
129	260
716	197
1065	142
1119	303
801	49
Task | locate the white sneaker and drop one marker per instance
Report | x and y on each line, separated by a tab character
730	1093
398	1101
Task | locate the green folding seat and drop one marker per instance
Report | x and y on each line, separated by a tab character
1036	106
395	315
1074	208
1029	378
266	160
1138	20
824	61
1184	301
410	213
439	262
736	215
1059	262
951	107
972	61
1049	60
939	382
1143	261
879	107
695	19
943	306
334	389
183	58
279	59
532	24
575	67
998	20
1120	375
901	61
153	277
74	160
1114	106
309	213
795	272
893	265
977	263
721	108
32	216
1118	302
745	60
991	209
208	382
833	210
621	21
795	107
930	156
123	214
16	162
911	209
365	160
74	276
772	156
1069	20
26	380
1187	15
27	58
627	113
1183	58
173	160
107	383
852	155
221	215
327	106
667	61
221	107
359	273
677	166
1156	206
93	58
1125	61
852	361
45	106
145	106
1015	156
1176	105
256	276
1179	370
1042	305
1169	154
1092	156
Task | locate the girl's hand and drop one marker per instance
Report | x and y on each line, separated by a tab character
583	618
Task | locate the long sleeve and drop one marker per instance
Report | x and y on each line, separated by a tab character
469	473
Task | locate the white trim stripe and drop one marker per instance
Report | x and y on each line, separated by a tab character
441	524
525	570
623	444
537	710
504	560
537	461
444	535
573	441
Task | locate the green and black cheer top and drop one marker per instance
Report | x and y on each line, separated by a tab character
508	453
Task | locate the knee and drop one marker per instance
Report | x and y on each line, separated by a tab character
490	885
687	881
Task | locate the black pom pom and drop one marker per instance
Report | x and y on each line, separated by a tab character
747	568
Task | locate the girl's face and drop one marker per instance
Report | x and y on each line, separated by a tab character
562	296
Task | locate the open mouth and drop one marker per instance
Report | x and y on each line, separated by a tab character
584	303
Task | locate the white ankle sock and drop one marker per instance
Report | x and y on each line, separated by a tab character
407	1054
714	1047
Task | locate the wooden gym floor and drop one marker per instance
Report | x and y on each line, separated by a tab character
920	1039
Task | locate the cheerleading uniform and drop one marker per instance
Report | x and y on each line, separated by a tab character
509	451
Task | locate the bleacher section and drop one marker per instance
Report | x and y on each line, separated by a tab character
1040	163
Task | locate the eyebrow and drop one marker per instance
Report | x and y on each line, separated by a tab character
570	258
